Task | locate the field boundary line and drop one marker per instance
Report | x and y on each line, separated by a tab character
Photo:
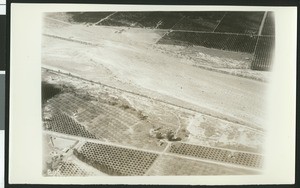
258	37
232	73
219	22
71	40
168	30
177	23
158	158
152	166
210	32
254	51
262	24
104	18
53	19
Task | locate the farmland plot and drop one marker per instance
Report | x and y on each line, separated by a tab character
171	165
62	123
116	160
216	154
229	42
241	22
199	21
264	53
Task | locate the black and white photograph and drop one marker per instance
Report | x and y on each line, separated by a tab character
119	94
155	93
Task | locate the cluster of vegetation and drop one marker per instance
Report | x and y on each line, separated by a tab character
170	135
54	163
125	106
49	91
105	168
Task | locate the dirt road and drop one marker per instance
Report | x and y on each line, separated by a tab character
123	59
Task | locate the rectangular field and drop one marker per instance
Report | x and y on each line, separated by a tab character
226	156
229	42
241	22
174	166
62	123
199	21
115	160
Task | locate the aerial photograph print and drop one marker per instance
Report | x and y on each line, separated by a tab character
155	93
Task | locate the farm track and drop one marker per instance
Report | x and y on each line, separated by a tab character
71	40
